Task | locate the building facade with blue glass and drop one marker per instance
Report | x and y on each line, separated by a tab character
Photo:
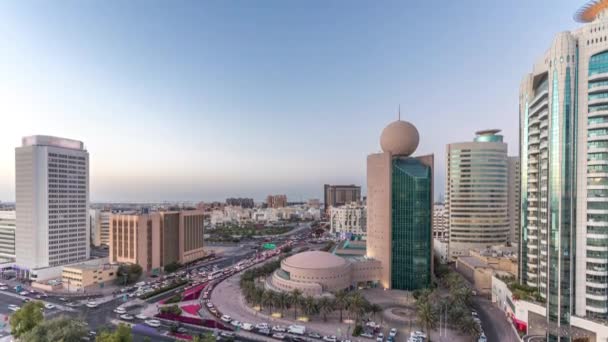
564	174
400	210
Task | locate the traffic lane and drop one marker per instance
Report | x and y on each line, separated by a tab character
5	301
493	321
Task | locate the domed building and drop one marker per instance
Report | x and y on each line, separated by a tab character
399	209
318	272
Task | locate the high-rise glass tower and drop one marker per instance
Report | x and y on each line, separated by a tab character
400	209
564	173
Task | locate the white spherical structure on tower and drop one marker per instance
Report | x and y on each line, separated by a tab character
400	138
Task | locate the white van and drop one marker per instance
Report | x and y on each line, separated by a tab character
296	329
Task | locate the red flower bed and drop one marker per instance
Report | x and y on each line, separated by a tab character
191	309
209	323
194	292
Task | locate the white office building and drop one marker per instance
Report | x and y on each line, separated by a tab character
477	192
52	200
348	220
440	221
7	235
99	221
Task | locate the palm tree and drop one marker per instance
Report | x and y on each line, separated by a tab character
469	327
375	309
258	294
427	316
282	301
341	301
268	300
309	306
326	305
356	305
295	299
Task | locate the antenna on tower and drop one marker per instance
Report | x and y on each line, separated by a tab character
399	112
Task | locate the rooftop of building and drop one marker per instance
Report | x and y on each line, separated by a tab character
472	261
314	260
85	267
47	140
590	11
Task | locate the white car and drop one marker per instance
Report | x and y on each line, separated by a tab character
278	336
209	305
126	317
13	307
226	318
92	305
3	288
278	328
2	284
367	335
24	293
49	306
393	332
142	317
235	323
261	326
247	326
331	338
153	323
120	311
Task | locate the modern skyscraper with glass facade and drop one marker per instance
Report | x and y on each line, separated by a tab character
477	193
564	173
400	209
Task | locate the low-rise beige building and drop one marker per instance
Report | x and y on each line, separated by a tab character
481	265
316	272
81	277
157	239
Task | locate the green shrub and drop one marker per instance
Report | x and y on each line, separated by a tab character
174	299
172	309
358	330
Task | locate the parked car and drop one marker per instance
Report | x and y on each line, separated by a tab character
261	326
393	332
226	318
126	317
264	331
153	323
367	335
331	338
120	311
278	328
92	305
49	306
235	323
314	335
247	326
142	317
278	336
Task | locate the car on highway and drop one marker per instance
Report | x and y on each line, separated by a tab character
62	299
13	307
226	318
49	306
24	293
153	323
278	336
142	317
120	311
92	305
126	317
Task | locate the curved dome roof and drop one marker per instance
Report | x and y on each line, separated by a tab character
314	260
400	138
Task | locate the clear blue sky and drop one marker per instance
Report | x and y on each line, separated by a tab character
201	100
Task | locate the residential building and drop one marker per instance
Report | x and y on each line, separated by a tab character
240	202
514	199
314	203
338	195
440	221
276	201
564	174
348	221
477	193
52	201
154	240
79	278
8	223
400	209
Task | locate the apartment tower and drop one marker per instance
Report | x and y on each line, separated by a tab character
563	108
52	201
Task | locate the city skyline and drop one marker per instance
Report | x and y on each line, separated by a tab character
228	100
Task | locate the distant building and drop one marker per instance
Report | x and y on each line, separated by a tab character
240	202
440	249
514	199
8	223
440	221
338	195
157	239
100	227
477	193
348	221
400	209
276	201
78	278
52	201
314	203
